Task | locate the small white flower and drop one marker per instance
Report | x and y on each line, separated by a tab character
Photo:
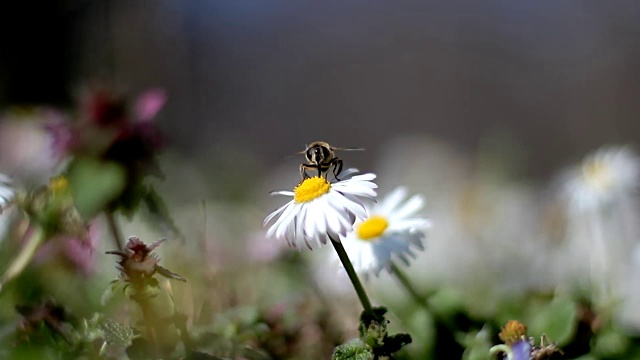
320	210
388	233
606	175
6	191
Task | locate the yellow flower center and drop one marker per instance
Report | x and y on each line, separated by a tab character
59	184
597	174
310	189
372	227
512	332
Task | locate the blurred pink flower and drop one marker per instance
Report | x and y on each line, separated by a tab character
149	103
102	107
64	138
78	252
108	128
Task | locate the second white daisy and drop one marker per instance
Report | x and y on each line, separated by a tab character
320	210
603	177
392	231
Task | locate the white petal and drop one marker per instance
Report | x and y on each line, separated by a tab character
414	204
282	192
393	199
364	177
274	214
409	224
352	205
360	191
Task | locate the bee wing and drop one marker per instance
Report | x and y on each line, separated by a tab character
347	149
302	152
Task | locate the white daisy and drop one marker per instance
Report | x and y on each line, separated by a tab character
390	232
6	191
603	176
320	210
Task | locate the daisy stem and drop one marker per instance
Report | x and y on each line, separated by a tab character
21	261
357	285
408	286
419	299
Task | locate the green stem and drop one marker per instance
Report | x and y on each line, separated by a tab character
180	322
21	261
140	296
408	286
147	317
115	231
344	258
103	349
419	299
502	348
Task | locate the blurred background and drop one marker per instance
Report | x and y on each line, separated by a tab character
480	107
266	78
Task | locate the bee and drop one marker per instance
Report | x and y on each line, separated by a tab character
321	157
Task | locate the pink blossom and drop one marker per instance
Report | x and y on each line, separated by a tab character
149	103
77	251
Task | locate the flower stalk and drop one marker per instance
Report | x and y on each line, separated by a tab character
21	261
421	300
357	285
142	299
408	286
138	265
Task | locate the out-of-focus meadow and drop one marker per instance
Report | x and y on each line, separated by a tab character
517	123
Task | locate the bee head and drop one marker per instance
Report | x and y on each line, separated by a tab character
318	152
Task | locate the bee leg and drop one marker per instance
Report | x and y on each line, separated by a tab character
303	170
337	168
303	173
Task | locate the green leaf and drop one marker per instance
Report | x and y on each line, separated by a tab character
112	290
117	334
478	344
158	212
169	274
557	320
373	333
611	343
254	354
95	184
375	316
394	343
353	350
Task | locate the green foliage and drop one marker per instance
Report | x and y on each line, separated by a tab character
232	334
117	334
115	286
169	274
556	319
353	350
477	344
611	344
374	339
158	212
95	184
